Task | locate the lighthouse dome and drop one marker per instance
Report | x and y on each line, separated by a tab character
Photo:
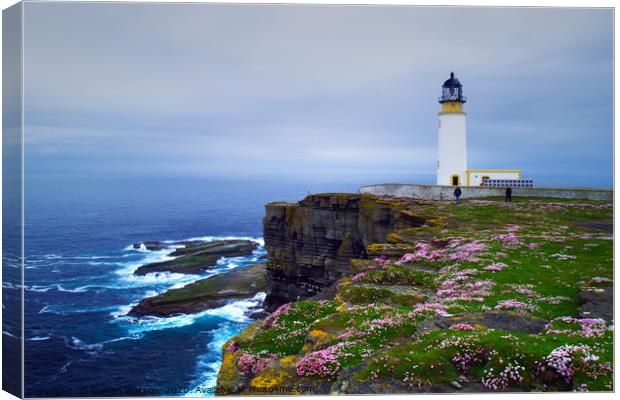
452	82
452	91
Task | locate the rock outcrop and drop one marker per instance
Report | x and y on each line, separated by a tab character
197	256
310	243
204	294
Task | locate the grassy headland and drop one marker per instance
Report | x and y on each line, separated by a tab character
485	296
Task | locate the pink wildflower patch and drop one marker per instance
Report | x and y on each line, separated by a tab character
232	347
323	363
456	249
562	360
468	356
600	279
252	363
434	308
506	238
533	245
346	335
510	374
585	327
468	251
424	251
527	292
461	287
462	327
495	267
468	351
387	322
272	320
515	305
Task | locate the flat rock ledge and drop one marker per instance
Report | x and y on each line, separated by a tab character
196	256
211	292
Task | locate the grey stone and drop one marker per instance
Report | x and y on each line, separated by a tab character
437	192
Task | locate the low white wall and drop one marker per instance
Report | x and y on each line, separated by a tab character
435	192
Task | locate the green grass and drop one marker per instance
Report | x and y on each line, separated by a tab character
562	245
287	336
430	361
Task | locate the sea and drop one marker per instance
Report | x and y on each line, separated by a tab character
79	281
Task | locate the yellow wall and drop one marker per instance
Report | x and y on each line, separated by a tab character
452	107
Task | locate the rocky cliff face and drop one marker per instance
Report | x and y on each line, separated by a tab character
310	243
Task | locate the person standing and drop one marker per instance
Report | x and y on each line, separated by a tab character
457	194
508	194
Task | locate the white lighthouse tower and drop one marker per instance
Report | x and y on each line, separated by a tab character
452	143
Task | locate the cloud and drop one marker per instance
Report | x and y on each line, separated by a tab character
218	89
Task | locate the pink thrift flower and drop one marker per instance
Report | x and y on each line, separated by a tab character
462	327
495	267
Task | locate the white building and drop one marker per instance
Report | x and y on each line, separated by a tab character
452	146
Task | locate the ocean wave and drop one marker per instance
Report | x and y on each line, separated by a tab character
238	311
142	248
95	263
38	338
77	344
9	285
228	263
100	257
208	365
143	325
7	333
64	368
64	310
210	238
122	311
259	240
16	264
148	257
94	348
159	280
120	339
56	286
235	311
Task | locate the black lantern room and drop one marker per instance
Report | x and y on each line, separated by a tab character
452	90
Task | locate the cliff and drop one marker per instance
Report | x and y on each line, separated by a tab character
310	243
430	297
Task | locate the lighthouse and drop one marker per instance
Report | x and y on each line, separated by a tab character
452	146
452	138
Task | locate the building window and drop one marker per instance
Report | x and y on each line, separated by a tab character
455	180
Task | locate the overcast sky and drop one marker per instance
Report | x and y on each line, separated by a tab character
330	91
